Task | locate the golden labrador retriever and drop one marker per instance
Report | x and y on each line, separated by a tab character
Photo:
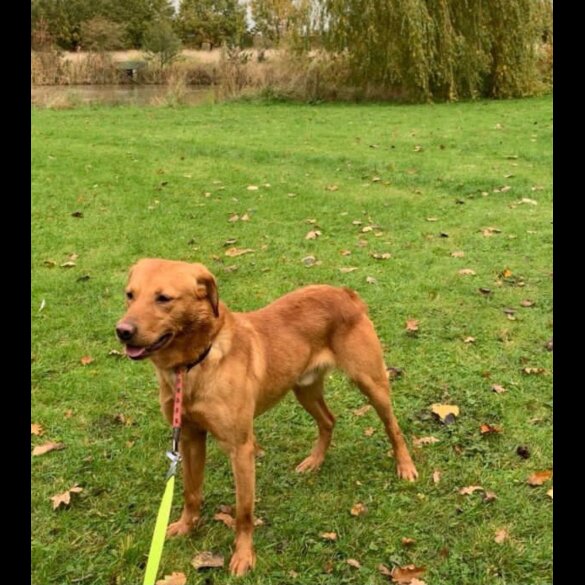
248	362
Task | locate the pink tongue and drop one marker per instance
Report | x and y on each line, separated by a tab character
134	352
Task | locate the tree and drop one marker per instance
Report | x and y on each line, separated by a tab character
211	21
101	34
161	43
272	18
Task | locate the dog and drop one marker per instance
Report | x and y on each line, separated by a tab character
245	364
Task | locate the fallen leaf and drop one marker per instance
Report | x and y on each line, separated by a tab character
466	272
489	496
245	217
393	373
445	412
484	291
309	261
533	371
362	410
367	229
498	389
69	264
384	256
251	188
539	477
384	570
49	263
348	269
46	448
68	413
174	579
501	535
36	429
418	148
490	231
233	252
522	451
527	303
227	519
86	360
357	222
549	345
506	273
469	339
424	441
407	541
362	243
65	498
328	535
468	490
371	280
328	567
405	575
116	353
458	254
436	476
358	509
549	493
486	429
233	218
331	188
77	214
353	563
529	201
207	560
369	431
443	235
43	304
345	252
312	235
293	574
432	219
411	325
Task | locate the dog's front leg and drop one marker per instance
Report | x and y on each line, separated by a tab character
243	465
193	454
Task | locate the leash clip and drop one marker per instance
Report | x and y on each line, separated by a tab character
175	458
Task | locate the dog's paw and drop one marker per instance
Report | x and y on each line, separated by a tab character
311	463
406	470
179	528
242	562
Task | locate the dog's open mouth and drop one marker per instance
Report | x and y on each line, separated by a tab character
138	353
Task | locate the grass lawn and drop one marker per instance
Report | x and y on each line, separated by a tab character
111	185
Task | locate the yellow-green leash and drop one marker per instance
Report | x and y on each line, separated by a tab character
164	511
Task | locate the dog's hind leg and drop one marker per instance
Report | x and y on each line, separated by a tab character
311	399
359	354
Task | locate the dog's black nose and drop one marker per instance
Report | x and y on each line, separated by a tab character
125	331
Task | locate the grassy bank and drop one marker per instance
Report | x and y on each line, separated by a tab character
113	185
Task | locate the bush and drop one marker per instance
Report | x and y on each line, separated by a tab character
161	43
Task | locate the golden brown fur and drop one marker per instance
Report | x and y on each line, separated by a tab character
255	358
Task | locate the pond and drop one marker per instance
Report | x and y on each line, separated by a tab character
141	95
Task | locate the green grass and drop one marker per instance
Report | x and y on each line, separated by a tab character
164	182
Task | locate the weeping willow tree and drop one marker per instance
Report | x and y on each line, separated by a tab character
433	49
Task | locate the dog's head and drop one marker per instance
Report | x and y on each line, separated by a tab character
170	307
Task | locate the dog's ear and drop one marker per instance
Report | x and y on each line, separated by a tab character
206	281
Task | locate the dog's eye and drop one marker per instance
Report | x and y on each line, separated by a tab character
163	299
129	295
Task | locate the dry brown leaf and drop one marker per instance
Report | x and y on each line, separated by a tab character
549	493
245	217
233	217
313	235
309	261
489	496
384	570
69	264
358	509
46	447
362	243
68	413
424	441
207	560
432	219
458	254
328	535
345	252
445	412
466	272
469	339
371	280
36	429
527	303
490	231
506	273
252	188
367	229
362	410
533	371
486	429
331	188
498	389
436	476
353	563
539	477
411	325
233	252
369	431
227	519
328	567
384	256
407	541
348	269
357	222
175	578
466	491
405	575
65	498
501	535
86	360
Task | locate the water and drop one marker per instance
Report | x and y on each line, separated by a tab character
140	95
